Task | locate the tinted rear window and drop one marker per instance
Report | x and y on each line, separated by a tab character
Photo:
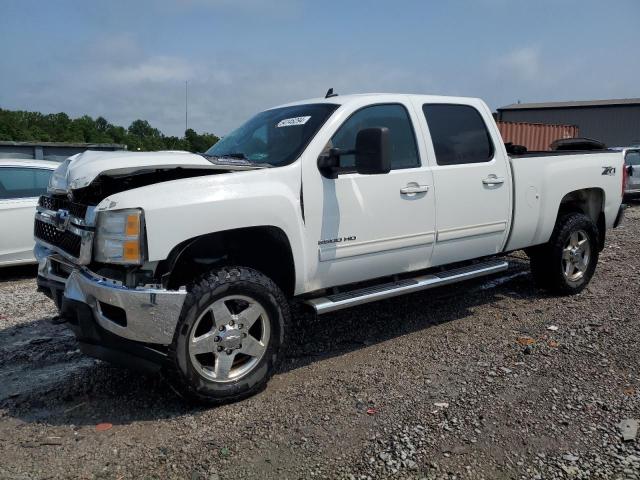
458	133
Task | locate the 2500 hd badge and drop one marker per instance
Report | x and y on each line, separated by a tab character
337	240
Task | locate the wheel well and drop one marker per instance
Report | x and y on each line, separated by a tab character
589	201
264	248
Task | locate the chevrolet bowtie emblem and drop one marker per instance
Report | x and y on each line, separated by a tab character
61	220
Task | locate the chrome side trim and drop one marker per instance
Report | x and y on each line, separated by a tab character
339	301
152	313
470	231
353	249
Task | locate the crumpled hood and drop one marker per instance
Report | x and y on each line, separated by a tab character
80	170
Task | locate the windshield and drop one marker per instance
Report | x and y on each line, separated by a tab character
274	137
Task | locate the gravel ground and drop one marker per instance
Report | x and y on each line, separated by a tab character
471	381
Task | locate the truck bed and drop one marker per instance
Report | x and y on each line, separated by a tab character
539	187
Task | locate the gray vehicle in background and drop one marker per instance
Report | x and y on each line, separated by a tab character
632	160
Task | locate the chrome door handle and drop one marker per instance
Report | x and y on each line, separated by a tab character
415	188
493	180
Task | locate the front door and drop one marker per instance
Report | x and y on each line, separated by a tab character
472	183
369	226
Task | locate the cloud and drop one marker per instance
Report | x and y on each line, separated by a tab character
123	79
524	63
279	8
114	77
120	45
152	70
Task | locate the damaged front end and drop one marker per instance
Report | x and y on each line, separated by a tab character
92	263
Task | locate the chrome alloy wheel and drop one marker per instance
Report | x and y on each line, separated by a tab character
229	338
576	255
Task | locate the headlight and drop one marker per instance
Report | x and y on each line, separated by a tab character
58	181
120	237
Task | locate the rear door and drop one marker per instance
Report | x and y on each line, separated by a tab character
472	181
20	188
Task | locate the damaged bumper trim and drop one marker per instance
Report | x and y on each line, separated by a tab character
142	314
97	342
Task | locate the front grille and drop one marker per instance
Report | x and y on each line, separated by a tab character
56	203
67	241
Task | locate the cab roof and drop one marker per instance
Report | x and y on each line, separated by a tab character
359	97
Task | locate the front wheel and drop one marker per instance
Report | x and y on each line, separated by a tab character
567	262
229	336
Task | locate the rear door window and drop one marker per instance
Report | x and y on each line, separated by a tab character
458	133
22	182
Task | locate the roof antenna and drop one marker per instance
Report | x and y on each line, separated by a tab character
330	93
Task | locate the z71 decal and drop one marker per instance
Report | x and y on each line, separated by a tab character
608	170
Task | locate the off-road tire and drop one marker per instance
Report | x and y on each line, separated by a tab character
546	260
214	285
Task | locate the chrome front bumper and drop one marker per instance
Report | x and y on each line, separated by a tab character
150	314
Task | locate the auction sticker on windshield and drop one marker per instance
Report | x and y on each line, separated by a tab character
290	122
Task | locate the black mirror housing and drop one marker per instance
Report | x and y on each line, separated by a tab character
329	163
373	151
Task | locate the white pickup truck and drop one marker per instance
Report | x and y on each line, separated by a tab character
189	263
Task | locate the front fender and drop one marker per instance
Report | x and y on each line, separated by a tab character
179	210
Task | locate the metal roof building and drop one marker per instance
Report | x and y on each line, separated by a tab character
615	122
54	151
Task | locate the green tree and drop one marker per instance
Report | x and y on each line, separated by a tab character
199	142
18	125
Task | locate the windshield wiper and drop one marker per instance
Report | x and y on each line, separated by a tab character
239	155
234	159
228	156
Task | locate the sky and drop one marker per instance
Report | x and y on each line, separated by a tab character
130	59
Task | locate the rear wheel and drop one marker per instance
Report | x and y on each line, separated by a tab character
229	336
567	262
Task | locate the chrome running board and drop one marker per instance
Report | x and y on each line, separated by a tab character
338	301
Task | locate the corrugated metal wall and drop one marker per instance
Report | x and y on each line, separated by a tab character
615	125
535	136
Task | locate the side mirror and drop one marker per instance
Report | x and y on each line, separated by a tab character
373	151
329	163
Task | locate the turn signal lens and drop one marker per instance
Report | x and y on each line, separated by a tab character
132	228
131	251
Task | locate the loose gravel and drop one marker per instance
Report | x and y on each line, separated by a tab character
470	381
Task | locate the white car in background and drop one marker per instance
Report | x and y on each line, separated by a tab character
21	184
